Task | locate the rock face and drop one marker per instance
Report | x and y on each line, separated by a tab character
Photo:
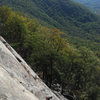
17	80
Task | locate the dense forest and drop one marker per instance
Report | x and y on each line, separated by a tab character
56	61
81	26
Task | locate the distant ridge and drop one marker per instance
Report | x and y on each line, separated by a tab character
94	5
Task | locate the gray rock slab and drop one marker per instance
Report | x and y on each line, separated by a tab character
11	89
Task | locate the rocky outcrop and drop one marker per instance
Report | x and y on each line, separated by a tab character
17	80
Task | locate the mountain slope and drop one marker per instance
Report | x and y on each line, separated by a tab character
92	4
72	18
49	10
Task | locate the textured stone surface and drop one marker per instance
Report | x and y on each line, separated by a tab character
17	80
11	89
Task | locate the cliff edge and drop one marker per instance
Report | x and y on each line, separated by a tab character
18	81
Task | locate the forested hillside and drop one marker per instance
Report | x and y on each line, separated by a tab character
81	26
63	49
52	57
94	5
